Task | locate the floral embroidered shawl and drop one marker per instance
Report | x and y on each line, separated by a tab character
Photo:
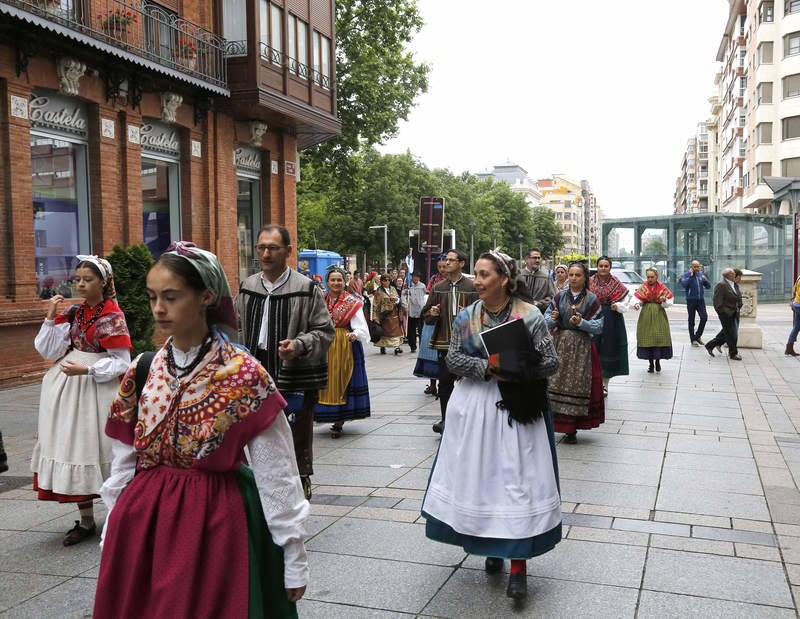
109	330
343	310
652	294
229	394
609	291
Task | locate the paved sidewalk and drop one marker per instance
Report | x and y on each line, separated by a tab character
684	503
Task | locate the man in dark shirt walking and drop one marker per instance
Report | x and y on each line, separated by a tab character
694	282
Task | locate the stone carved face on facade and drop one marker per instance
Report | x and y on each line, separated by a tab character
170	102
257	131
747	303
70	72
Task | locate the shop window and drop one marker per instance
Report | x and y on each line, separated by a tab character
160	204
248	214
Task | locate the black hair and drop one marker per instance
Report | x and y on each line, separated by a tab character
417	273
532	249
286	238
108	287
516	286
181	267
585	270
607	259
462	257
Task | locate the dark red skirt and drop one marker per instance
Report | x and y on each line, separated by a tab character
49	495
597	406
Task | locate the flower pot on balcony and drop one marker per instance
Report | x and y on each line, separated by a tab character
191	62
52	6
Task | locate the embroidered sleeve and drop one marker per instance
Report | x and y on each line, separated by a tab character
458	361
122	417
543	343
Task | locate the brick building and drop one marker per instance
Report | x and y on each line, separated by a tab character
130	122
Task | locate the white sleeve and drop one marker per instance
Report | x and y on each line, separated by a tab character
625	304
285	508
108	368
360	328
666	303
123	467
52	341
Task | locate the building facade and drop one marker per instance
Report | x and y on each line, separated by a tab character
144	122
516	177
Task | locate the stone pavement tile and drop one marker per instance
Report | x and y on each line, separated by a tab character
793	570
372	457
761	438
719	424
712	480
692	545
427	445
782	495
414	505
72	599
376	583
381	501
315	524
324	610
43	553
329	510
771	460
648	526
401	493
371	476
619	441
657	605
591	453
790	547
602	564
599	493
586	520
776	477
474	593
733	535
64	523
647	417
681	518
379	539
608	536
16	588
343	490
405	429
697	501
727	578
792	530
617	512
636	474
381	513
655	406
751	525
20	515
704	462
415	479
751	551
732	411
784	512
707	447
567	507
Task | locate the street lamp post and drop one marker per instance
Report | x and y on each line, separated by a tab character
314	234
521	238
385	246
472	246
494	242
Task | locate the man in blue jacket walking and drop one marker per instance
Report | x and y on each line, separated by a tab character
694	282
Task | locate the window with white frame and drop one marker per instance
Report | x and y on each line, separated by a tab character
790	127
791	86
766	12
322	59
765	92
271	16
791	6
791	44
298	45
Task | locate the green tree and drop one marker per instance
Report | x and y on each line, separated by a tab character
130	265
656	248
547	233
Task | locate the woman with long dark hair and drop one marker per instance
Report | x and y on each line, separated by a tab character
191	531
577	388
494	487
72	457
612	343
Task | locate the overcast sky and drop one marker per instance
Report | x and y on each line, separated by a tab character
605	91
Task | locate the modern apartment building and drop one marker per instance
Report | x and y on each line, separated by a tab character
516	177
148	122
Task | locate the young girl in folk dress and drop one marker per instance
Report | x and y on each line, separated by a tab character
386	310
347	395
653	337
576	390
195	533
72	457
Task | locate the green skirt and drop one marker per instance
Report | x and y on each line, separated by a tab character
267	595
652	330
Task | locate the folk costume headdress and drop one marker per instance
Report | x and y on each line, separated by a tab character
106	273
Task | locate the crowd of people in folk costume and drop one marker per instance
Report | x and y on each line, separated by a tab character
161	437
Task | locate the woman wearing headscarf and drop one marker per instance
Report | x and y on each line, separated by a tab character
612	343
494	486
386	310
72	457
191	532
347	395
653	337
560	273
577	388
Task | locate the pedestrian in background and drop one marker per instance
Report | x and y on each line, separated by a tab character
538	280
576	390
347	395
653	336
413	301
356	285
72	456
694	282
795	305
386	309
191	532
441	272
560	274
726	304
612	343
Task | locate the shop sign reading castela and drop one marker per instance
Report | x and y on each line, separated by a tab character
247	158
61	114
158	137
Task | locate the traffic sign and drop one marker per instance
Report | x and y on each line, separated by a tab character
431	224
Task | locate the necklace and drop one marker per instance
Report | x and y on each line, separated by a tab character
499	317
84	326
497	308
178	371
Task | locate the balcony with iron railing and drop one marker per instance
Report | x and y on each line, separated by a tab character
234	49
135	30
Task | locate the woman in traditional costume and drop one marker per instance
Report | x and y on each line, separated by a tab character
72	457
347	395
427	365
612	343
653	337
386	310
560	273
576	390
494	486
195	533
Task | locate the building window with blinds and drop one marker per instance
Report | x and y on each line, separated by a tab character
764	133
790	128
322	60
298	47
791	44
791	86
790	167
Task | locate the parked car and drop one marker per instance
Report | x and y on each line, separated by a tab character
631	279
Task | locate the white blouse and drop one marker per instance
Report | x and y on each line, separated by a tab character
52	342
358	324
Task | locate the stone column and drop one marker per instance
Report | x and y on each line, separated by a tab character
750	335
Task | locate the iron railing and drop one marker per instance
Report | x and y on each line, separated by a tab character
294	66
142	28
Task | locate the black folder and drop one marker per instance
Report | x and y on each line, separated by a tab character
510	336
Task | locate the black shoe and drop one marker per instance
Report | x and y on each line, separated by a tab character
571	438
3	456
397	350
78	533
438	427
305	480
658	365
517	586
383	350
699	341
709	350
494	565
430	390
736	357
651	369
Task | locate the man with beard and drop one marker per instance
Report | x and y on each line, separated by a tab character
538	280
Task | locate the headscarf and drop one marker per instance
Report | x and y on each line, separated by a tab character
221	312
516	286
652	294
106	273
334	269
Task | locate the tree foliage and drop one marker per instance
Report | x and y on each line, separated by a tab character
130	265
549	235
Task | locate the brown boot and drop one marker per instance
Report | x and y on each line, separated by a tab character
790	351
